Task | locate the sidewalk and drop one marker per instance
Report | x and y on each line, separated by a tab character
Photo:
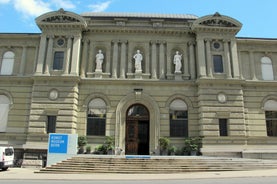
28	174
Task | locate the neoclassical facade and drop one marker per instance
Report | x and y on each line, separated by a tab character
139	77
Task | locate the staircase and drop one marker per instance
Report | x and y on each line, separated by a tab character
155	164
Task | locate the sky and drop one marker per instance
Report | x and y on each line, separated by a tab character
259	17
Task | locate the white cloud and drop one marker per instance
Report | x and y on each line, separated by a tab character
31	7
4	1
65	4
99	7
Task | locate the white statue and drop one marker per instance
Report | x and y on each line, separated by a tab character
99	60
138	58
177	61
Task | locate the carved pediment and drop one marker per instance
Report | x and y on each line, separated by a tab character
217	21
60	17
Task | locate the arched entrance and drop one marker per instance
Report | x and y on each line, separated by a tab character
137	130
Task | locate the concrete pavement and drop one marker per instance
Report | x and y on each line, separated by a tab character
28	174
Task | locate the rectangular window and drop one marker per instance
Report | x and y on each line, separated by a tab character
223	127
179	124
96	124
51	124
58	60
271	123
218	63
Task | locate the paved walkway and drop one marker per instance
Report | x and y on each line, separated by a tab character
26	174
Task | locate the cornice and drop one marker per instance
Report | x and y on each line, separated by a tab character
140	31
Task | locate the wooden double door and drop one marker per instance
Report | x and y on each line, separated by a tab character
137	131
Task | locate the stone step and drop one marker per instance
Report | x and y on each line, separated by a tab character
92	164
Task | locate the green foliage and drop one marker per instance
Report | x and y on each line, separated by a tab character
110	142
88	149
192	144
108	145
172	150
82	141
164	143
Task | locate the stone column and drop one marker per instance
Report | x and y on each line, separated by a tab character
130	58
235	60
209	58
108	60
154	60
23	61
201	58
84	57
41	55
169	62
75	55
35	58
147	59
115	59
252	65
192	60
91	59
162	60
68	55
49	56
123	60
227	59
185	62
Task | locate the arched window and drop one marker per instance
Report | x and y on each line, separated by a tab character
7	63
96	117
270	108
267	70
4	112
178	118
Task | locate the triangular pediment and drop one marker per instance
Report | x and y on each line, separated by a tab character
60	17
217	21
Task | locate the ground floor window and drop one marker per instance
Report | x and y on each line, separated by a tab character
96	117
223	127
271	123
51	124
178	119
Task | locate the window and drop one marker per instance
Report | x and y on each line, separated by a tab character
51	124
270	108
9	151
178	119
223	127
58	60
7	63
4	112
218	63
271	123
267	70
96	117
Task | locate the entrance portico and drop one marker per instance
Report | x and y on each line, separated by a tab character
124	124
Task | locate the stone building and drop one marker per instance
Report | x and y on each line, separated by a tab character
139	77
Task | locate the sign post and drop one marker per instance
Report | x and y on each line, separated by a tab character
61	147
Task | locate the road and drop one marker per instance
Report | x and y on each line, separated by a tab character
247	180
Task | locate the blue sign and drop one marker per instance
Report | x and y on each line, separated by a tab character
58	143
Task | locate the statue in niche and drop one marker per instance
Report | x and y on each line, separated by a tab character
99	60
138	58
177	61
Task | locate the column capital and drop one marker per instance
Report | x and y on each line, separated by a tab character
208	40
226	40
85	40
50	36
115	41
191	43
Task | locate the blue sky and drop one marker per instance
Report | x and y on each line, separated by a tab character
257	16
